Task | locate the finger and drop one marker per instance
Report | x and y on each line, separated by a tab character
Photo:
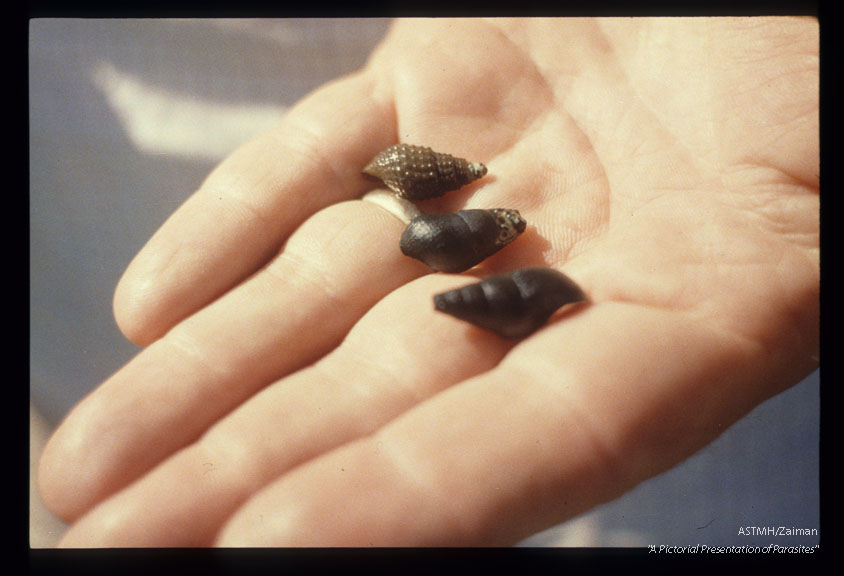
382	369
571	418
254	199
334	268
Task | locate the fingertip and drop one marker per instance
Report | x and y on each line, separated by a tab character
52	478
131	309
155	291
73	469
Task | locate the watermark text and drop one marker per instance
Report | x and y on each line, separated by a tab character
706	549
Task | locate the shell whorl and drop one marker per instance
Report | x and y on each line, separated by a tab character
513	305
417	172
458	241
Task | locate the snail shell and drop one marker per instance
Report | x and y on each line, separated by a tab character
514	304
417	172
456	242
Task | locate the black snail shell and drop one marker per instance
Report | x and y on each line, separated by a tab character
456	242
514	304
417	172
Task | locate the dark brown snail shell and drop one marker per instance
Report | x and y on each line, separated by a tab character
513	305
456	242
417	172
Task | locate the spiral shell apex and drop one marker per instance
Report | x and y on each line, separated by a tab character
458	241
512	305
417	172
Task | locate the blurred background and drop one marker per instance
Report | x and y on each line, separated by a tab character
126	119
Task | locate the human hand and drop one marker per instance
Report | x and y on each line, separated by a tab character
298	387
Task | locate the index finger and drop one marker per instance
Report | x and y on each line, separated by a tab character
252	201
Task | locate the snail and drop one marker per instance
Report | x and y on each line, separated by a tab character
456	242
417	172
513	305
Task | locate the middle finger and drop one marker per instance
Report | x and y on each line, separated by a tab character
336	266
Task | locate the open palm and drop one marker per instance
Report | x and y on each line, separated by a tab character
297	386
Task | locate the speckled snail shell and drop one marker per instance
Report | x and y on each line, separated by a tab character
417	172
456	242
513	305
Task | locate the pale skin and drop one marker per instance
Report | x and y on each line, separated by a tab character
297	386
